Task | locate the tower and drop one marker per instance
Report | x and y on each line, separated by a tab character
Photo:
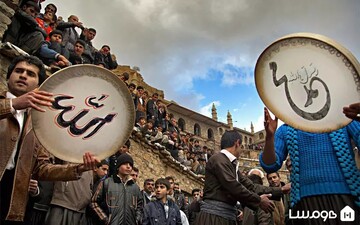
229	120
214	113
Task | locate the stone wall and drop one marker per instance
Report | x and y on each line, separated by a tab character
154	163
4	63
6	13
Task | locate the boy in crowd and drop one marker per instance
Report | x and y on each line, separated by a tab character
113	163
162	211
118	199
77	56
52	52
101	172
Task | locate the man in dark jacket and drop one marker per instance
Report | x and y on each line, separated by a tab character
103	56
152	109
70	35
162	210
24	31
225	185
148	191
118	199
194	207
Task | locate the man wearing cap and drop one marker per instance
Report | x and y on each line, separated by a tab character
117	199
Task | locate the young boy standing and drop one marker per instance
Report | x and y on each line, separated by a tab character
118	199
162	210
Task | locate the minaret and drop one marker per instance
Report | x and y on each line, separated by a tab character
214	113
229	121
252	128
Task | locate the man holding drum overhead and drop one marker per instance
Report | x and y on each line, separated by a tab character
305	79
324	175
22	156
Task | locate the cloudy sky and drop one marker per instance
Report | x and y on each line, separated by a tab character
204	51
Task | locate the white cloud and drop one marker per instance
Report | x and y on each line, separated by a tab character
236	76
206	110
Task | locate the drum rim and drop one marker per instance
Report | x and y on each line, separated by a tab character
127	98
317	37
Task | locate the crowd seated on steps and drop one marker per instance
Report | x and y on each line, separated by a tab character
53	40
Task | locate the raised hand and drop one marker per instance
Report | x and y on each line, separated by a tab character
33	99
90	163
270	124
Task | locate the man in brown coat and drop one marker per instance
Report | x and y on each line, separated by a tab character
22	156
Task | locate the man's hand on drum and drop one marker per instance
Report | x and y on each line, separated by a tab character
270	124
33	99
352	111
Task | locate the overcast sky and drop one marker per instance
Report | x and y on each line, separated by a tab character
204	51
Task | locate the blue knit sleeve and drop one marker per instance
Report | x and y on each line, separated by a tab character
281	151
354	130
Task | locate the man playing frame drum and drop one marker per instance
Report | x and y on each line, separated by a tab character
325	181
22	156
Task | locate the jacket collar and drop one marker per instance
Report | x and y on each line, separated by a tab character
118	180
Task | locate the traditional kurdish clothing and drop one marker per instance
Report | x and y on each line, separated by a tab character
224	187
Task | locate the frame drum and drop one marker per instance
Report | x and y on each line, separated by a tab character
92	112
306	80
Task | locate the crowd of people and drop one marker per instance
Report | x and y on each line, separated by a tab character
55	41
182	146
37	188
